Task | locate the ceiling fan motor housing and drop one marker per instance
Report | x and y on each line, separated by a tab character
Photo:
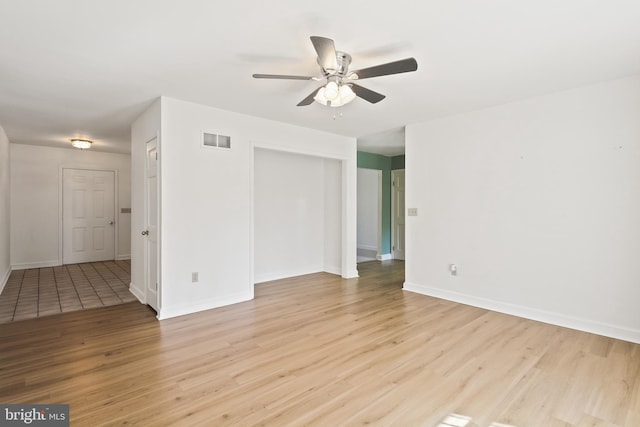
343	60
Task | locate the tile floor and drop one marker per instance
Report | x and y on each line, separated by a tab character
45	291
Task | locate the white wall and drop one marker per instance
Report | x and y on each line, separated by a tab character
206	201
538	203
368	208
333	217
35	193
290	207
5	259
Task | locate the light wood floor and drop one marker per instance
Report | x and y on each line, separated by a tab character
319	350
42	292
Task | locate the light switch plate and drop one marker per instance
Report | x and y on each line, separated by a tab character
412	211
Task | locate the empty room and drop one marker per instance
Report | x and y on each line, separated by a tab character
337	214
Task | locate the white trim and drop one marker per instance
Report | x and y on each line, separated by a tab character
39	264
368	248
349	217
558	319
137	293
60	213
394	202
296	150
158	225
379	248
166	313
5	279
159	211
350	274
116	213
333	269
252	167
123	257
384	257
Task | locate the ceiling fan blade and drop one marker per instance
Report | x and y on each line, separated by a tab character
326	51
309	99
396	67
281	77
367	94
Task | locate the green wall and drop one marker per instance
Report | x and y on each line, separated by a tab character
386	165
397	162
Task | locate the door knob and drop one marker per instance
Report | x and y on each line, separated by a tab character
111	222
145	233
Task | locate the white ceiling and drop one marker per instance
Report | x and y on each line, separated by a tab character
87	68
388	143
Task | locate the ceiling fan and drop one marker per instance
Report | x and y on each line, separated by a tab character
340	87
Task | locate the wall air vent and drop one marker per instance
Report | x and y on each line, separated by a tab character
212	140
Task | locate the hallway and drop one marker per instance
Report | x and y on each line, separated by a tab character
42	292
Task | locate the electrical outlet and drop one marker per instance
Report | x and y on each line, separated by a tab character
453	269
194	277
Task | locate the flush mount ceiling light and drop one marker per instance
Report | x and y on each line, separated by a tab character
82	144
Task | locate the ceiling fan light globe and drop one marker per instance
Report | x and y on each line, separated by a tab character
346	94
320	98
331	90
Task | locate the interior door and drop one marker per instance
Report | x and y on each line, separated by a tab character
151	220
397	213
88	215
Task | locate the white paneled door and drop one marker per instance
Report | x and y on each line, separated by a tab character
397	213
88	215
151	220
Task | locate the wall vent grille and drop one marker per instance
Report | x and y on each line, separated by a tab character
213	140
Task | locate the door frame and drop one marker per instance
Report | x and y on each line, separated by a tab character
145	226
116	206
393	209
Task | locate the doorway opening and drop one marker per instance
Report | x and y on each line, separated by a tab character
369	239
